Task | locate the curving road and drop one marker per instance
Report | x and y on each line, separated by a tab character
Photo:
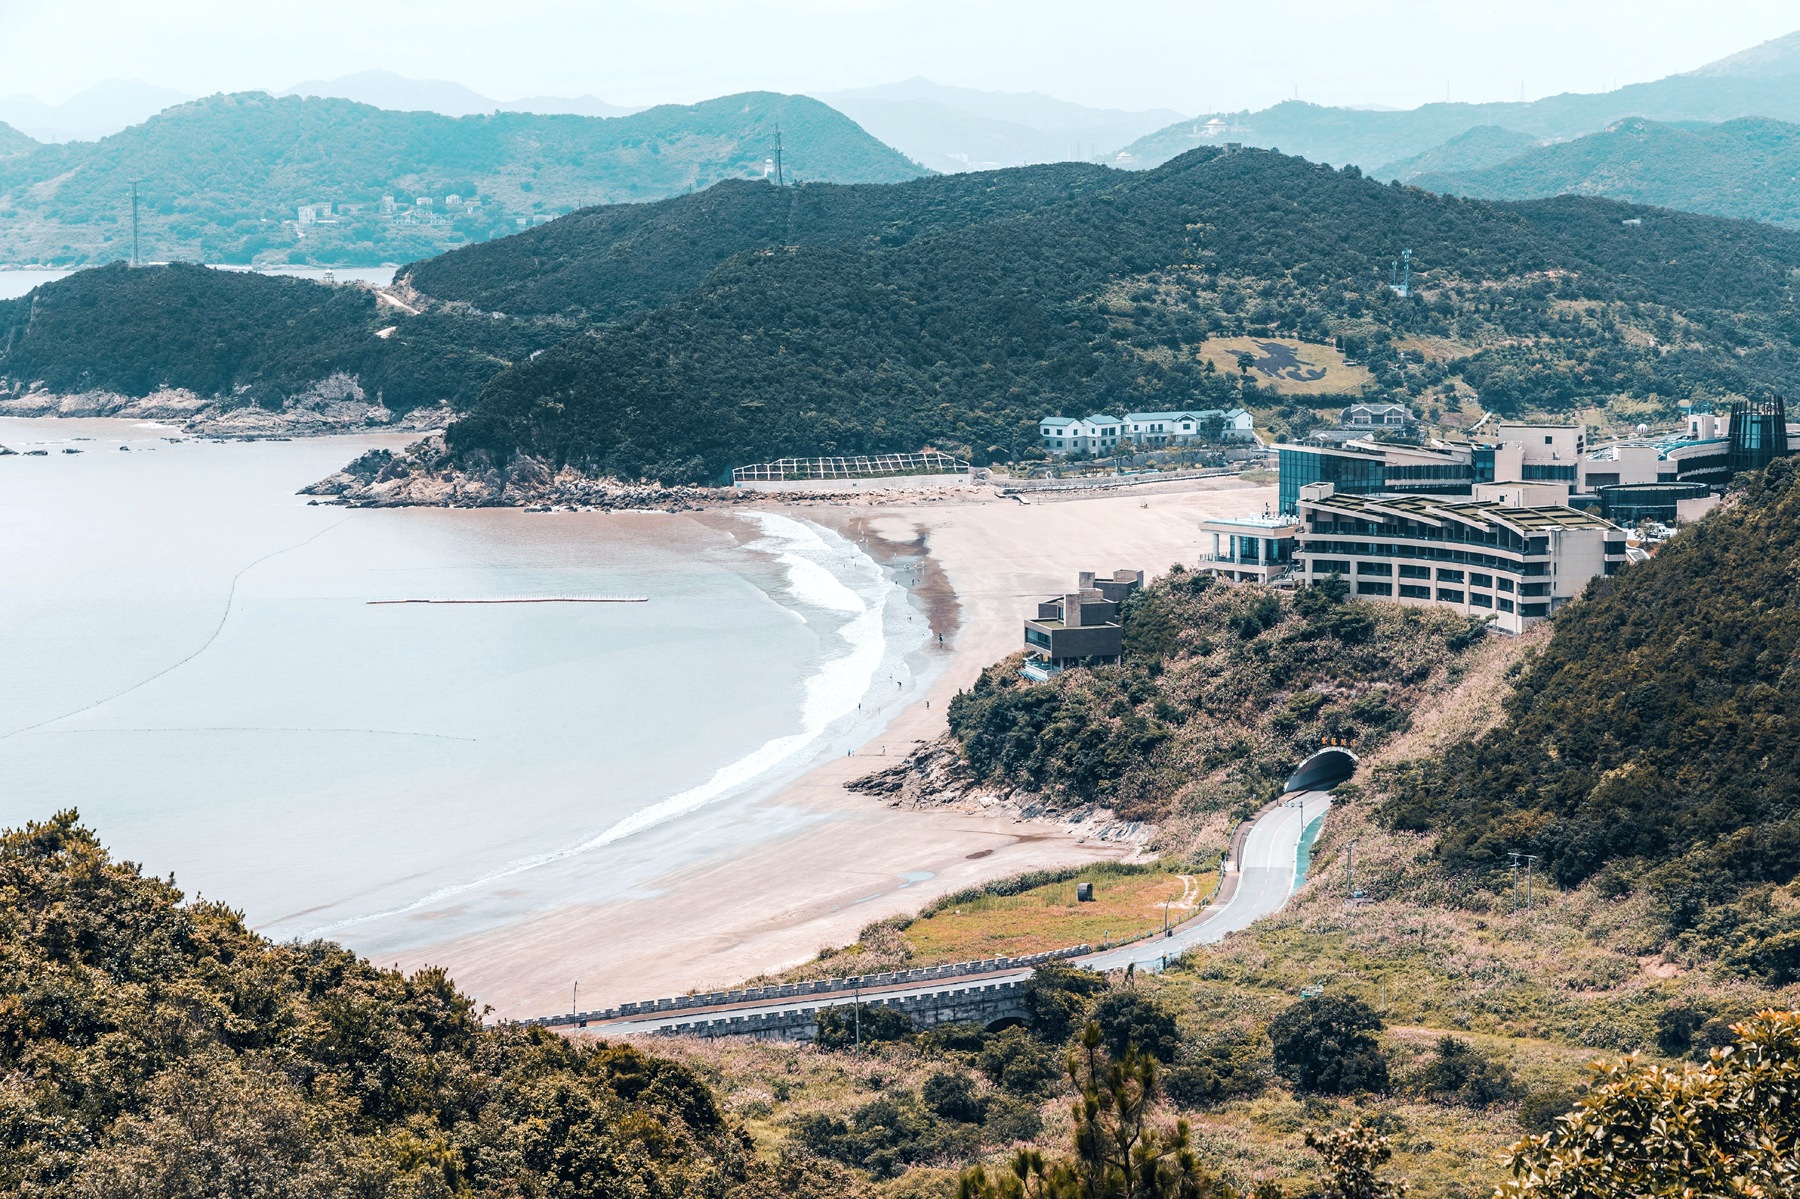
1260	886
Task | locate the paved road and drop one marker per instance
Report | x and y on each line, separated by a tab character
1260	886
1265	880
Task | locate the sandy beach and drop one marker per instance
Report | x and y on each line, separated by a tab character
985	561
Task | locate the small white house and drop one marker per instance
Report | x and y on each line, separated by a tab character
1097	433
1180	428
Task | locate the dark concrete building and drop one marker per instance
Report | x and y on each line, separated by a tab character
1080	626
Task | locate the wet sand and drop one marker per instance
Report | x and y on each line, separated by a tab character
980	565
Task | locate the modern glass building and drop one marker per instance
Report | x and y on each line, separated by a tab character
1758	433
1352	472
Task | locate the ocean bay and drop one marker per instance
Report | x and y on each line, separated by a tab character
194	663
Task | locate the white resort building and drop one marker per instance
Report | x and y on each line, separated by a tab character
1101	433
1481	557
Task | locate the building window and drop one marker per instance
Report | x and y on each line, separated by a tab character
1414	572
1535	589
1375	589
1476	580
1480	600
1450	595
1330	566
1534	609
1505	605
1374	568
1409	591
1037	637
1506	584
1449	576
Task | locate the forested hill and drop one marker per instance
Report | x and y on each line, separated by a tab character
603	262
14	142
966	337
1658	731
222	179
1748	168
158	1046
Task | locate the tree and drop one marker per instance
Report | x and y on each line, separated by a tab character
1728	1127
1462	1074
1352	1157
1117	1152
847	1025
1325	1044
1245	360
1128	1017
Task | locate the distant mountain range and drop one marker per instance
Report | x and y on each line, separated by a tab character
1747	168
952	129
1763	81
385	89
250	177
88	116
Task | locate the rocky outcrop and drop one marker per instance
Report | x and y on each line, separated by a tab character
335	404
935	776
425	475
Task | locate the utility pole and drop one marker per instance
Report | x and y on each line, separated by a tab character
134	223
573	992
778	182
858	1017
1353	869
1515	875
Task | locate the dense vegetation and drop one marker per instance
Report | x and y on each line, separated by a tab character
1745	168
14	142
749	322
246	338
221	179
606	262
965	338
1658	731
150	1046
1222	692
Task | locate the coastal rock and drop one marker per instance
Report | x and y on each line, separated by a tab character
333	404
935	776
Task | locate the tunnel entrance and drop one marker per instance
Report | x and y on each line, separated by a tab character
1323	771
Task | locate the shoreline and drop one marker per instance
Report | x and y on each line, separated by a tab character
852	859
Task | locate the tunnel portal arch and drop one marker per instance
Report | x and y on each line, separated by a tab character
1323	771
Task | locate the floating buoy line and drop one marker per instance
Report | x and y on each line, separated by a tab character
545	599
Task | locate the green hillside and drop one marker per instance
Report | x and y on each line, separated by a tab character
601	263
1761	82
1482	146
246	338
14	142
1659	730
222	179
966	337
1747	168
158	1046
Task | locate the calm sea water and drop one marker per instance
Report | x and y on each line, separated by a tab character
16	281
192	661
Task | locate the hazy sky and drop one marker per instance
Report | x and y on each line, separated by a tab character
1191	55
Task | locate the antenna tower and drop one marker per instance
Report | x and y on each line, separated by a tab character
134	223
778	182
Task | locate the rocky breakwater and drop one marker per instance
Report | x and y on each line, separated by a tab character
335	404
425	474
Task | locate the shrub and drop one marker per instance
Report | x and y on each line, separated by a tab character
1128	1018
1017	1064
952	1096
1209	1074
838	1026
1325	1044
1540	1110
1462	1074
1057	998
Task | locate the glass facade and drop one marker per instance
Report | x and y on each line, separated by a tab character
1628	504
1351	474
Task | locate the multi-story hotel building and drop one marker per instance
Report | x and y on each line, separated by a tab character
1483	558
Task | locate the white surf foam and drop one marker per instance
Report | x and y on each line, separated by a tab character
822	571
